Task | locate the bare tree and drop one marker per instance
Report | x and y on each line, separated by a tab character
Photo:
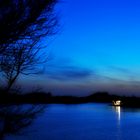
26	19
23	58
23	23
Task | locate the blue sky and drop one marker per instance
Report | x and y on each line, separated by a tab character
97	49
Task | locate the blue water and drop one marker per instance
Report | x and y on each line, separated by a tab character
83	122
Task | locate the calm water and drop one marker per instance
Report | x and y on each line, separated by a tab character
82	122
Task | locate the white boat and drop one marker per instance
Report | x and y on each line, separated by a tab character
117	103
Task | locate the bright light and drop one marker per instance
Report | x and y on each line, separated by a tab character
117	103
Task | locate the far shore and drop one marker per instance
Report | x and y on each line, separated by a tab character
48	98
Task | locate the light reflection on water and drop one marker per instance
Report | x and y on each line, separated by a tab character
84	122
118	111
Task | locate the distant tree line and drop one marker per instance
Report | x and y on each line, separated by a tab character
23	23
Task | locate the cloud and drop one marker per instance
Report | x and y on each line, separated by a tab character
126	74
120	69
68	78
64	69
64	76
69	73
125	71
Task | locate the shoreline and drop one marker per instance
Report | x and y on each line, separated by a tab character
47	98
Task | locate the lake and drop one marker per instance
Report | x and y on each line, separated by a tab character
89	121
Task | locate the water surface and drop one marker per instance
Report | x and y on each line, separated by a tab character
83	122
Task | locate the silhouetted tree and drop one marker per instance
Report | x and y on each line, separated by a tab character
23	23
25	19
23	58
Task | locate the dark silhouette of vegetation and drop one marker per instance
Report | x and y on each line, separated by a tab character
99	97
23	23
48	98
28	98
25	19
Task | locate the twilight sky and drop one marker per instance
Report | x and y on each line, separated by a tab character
97	49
